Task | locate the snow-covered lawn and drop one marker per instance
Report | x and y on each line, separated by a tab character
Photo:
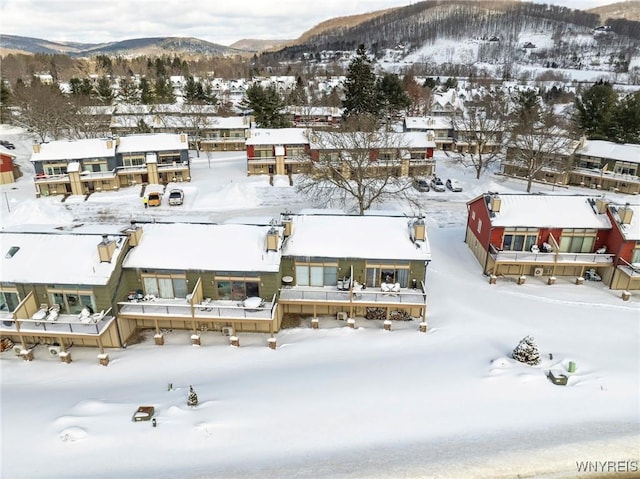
336	402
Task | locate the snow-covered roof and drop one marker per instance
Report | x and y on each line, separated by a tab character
369	237
548	211
228	247
152	142
415	139
424	123
74	149
55	258
277	136
315	110
612	151
6	152
631	230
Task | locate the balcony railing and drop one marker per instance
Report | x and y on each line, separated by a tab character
550	258
212	310
330	294
65	324
41	178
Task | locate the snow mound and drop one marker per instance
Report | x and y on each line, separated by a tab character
72	434
92	407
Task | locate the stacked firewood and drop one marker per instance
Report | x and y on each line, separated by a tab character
376	313
5	344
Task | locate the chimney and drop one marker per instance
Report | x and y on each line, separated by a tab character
601	205
109	144
626	213
36	147
134	233
272	239
419	229
287	222
183	138
494	203
106	247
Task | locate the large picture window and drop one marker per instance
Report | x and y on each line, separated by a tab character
72	301
575	240
165	286
388	273
316	274
237	288
519	239
9	300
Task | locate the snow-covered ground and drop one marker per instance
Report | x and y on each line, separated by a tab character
334	402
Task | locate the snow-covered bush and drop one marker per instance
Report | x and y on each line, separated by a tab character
527	351
192	400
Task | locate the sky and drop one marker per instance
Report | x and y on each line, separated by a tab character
222	22
334	403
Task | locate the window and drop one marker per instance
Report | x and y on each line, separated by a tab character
295	152
575	240
635	257
9	300
59	169
237	288
94	166
165	286
263	152
519	239
479	229
133	161
317	274
72	301
388	273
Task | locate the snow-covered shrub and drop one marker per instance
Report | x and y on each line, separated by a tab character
192	400
527	351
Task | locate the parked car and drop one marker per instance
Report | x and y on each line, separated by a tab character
176	197
7	144
437	184
420	185
154	198
454	185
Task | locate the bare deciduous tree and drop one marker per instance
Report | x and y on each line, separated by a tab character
44	110
354	169
538	143
479	132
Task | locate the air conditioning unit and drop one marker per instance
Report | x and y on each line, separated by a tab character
54	350
18	349
227	330
538	271
342	316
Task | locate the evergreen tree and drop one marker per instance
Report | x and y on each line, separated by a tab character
595	111
626	124
191	90
266	105
192	400
164	90
392	96
5	98
80	87
128	92
146	93
103	92
527	351
361	94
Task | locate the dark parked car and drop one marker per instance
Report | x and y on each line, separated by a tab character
420	185
437	184
7	144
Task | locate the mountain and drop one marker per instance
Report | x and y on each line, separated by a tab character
132	47
254	45
629	10
429	21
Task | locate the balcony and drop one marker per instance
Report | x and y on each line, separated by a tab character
366	297
567	259
207	310
51	179
66	325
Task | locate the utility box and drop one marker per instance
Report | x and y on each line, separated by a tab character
557	378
